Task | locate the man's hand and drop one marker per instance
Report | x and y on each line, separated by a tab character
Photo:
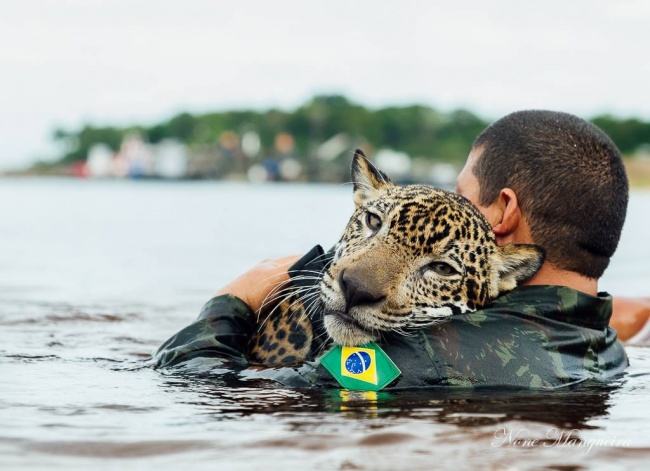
258	283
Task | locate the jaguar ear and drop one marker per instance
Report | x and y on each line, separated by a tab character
517	263
368	180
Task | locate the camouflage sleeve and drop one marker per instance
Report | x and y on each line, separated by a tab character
222	330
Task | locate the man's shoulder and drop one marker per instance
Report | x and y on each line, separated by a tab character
542	295
535	336
560	304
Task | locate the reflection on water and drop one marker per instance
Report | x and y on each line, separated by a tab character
571	408
79	316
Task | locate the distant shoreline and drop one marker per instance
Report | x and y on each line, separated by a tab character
638	171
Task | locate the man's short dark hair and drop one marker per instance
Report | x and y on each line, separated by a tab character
569	179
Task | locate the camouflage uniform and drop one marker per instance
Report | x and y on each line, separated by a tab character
533	337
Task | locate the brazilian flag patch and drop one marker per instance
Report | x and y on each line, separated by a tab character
364	368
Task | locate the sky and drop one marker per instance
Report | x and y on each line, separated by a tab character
64	63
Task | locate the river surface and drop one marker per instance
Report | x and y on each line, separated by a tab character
95	275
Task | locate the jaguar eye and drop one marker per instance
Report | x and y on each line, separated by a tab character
442	268
373	221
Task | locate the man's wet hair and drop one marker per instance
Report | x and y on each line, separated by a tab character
569	179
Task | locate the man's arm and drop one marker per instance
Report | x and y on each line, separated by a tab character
226	323
629	317
257	284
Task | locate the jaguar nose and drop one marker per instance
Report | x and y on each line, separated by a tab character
356	292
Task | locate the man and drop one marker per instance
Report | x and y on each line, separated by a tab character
539	177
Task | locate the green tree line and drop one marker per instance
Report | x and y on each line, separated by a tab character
418	130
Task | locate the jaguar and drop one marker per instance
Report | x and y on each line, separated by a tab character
410	257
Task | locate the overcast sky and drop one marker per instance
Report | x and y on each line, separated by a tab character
65	62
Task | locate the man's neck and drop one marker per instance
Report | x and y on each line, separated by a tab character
551	275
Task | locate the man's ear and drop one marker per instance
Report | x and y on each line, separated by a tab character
368	180
508	213
516	263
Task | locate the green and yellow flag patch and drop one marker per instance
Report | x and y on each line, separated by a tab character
364	368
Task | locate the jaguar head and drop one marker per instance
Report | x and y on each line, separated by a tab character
412	256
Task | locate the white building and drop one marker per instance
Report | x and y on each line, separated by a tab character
135	158
99	162
170	159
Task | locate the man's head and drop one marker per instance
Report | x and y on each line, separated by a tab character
568	180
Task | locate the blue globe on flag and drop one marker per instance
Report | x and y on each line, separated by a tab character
358	362
364	368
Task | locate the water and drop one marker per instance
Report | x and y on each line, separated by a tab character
95	275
